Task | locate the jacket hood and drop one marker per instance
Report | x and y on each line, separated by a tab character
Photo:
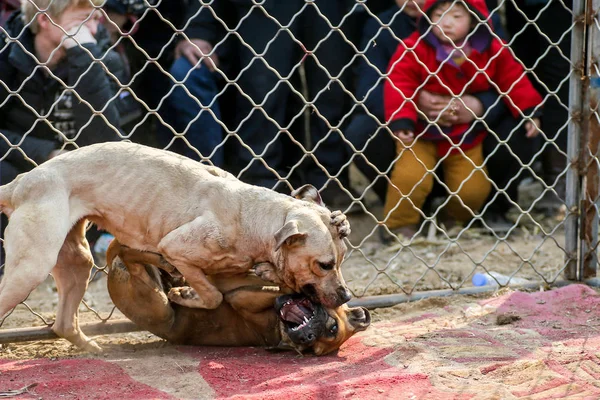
14	24
478	7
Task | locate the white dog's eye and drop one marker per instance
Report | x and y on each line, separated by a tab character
326	266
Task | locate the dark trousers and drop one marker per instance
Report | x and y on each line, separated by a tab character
375	151
183	112
551	71
266	92
504	161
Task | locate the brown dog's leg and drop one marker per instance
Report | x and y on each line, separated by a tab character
138	293
249	300
71	273
129	255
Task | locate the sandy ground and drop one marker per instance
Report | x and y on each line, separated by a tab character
511	345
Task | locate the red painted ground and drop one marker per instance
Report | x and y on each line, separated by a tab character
443	349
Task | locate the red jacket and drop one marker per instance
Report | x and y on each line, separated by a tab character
418	64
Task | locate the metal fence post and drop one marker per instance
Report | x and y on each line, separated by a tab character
575	133
589	146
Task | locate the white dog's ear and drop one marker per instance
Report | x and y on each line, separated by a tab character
308	193
289	234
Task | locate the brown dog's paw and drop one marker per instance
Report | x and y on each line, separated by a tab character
186	296
340	221
183	293
267	272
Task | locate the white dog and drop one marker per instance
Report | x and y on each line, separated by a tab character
201	219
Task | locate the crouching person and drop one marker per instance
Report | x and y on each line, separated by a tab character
453	53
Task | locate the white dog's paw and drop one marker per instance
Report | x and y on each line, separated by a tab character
92	347
267	272
186	296
340	221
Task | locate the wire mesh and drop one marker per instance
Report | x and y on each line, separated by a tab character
287	93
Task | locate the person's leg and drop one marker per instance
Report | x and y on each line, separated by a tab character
524	39
553	70
150	85
412	181
506	149
469	187
262	97
184	113
375	151
331	55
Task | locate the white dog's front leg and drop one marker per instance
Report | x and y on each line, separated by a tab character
191	248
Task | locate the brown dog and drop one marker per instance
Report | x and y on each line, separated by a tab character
252	312
203	220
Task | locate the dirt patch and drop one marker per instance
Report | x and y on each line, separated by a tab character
450	348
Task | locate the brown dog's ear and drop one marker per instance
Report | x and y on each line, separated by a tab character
308	193
359	318
289	234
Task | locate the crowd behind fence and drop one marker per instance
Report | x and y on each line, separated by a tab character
459	136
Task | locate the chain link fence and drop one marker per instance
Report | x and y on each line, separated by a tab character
283	93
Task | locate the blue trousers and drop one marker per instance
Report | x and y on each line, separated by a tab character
184	113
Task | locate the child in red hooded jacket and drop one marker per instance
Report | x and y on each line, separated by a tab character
454	52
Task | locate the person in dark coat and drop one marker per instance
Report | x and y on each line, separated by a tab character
44	114
192	107
272	40
52	91
545	47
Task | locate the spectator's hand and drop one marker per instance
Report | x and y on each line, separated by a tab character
449	110
78	35
463	110
432	104
81	24
404	135
532	128
195	50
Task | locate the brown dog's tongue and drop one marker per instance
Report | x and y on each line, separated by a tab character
293	313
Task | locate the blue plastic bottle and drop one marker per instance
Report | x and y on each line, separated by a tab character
487	279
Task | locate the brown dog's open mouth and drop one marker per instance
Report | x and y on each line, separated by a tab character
297	313
302	320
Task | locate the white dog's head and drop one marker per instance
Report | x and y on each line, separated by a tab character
311	249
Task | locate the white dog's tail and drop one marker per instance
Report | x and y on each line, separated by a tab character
6	192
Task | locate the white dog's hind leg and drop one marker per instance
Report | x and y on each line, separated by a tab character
71	273
32	240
